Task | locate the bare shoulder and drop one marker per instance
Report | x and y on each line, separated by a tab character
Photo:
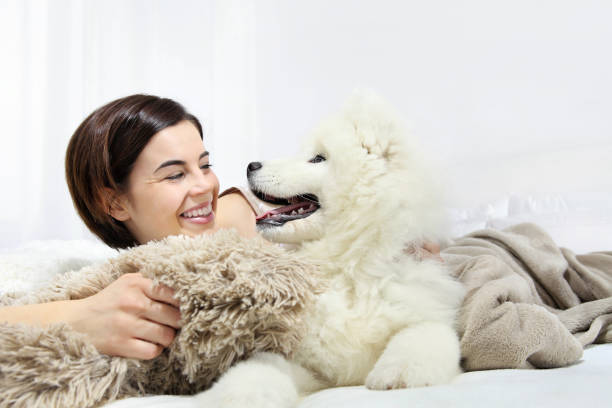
234	211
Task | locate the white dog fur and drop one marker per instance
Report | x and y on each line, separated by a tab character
387	319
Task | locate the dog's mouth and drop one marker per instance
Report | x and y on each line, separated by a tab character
292	208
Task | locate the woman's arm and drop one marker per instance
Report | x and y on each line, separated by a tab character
38	314
128	318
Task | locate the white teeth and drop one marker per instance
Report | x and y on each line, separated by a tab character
199	212
300	210
293	212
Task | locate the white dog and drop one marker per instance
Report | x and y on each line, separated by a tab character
353	202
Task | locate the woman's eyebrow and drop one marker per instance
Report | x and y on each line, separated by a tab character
177	162
169	163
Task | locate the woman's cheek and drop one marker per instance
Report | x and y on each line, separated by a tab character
215	192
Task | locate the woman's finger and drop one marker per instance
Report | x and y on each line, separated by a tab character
160	293
140	349
154	332
163	313
432	247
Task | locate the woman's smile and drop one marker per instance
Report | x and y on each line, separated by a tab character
200	214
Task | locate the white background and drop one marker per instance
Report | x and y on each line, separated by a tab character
508	96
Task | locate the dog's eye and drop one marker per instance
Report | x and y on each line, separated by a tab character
317	159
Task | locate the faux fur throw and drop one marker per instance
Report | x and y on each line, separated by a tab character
237	296
529	303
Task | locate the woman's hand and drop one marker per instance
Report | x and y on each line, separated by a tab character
432	250
427	250
128	318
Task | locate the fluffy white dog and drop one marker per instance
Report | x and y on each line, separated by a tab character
354	201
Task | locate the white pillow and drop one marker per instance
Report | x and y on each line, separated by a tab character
466	220
36	263
581	222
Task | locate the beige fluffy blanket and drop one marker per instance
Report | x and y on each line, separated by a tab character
529	303
237	296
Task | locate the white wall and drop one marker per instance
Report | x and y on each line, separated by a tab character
483	83
488	86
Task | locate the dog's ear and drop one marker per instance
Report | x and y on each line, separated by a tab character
376	124
378	136
380	150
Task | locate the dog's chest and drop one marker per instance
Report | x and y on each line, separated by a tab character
348	330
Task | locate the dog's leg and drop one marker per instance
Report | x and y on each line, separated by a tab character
265	380
421	355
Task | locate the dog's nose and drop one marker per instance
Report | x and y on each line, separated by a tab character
253	166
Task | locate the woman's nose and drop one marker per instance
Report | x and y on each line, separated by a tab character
203	183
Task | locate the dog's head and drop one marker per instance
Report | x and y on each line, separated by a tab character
358	178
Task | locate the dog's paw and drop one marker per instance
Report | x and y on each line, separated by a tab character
423	355
261	382
385	378
395	375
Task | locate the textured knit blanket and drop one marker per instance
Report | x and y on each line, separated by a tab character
529	303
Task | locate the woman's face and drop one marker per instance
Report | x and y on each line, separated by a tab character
171	189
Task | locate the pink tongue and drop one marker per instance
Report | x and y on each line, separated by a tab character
281	210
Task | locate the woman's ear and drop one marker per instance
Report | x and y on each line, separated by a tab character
115	204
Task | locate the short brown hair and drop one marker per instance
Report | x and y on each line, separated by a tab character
102	152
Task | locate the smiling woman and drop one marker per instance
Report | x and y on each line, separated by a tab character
137	171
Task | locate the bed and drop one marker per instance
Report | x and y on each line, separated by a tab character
583	384
581	221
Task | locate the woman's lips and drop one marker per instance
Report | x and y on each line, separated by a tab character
200	214
202	219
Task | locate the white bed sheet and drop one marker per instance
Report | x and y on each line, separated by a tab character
586	383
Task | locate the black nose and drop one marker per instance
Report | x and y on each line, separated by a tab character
253	166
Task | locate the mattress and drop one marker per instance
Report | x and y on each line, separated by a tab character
583	384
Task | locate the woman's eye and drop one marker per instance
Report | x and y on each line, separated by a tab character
175	176
317	159
206	166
